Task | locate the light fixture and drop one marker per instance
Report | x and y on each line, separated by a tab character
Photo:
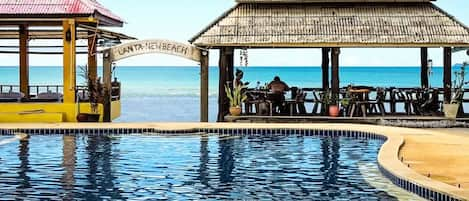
68	35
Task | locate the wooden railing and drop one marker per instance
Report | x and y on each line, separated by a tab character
35	90
391	96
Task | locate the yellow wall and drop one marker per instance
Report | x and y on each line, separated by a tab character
11	112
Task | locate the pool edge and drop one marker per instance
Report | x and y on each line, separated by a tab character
388	156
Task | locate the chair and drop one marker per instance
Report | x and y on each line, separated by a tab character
11	96
316	102
49	96
377	105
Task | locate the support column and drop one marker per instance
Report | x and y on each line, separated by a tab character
447	72
69	60
204	72
335	82
24	60
226	62
107	85
325	68
92	56
424	67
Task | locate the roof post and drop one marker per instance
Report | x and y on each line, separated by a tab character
335	83
447	71
226	62
24	60
92	56
69	60
204	72
424	67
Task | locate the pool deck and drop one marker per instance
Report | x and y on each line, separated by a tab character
442	153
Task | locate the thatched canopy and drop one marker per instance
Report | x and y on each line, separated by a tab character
334	25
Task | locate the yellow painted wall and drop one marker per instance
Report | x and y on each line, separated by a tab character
11	112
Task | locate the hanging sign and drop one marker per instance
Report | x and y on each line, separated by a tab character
155	46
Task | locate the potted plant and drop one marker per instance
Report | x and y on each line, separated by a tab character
451	108
237	96
330	101
344	103
93	93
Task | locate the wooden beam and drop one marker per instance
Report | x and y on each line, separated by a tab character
107	85
226	62
447	72
69	60
204	73
24	60
330	45
325	68
92	56
424	67
335	82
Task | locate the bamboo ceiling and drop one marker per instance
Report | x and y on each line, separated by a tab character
334	25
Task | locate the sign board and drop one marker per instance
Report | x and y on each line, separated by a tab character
154	46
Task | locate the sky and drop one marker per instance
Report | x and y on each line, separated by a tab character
180	20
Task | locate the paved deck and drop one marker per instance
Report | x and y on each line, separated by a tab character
442	153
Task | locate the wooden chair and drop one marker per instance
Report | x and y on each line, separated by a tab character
377	105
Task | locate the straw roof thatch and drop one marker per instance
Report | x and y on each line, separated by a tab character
334	25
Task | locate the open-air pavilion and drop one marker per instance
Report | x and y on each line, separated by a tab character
332	25
65	23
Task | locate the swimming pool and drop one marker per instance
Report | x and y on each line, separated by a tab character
186	167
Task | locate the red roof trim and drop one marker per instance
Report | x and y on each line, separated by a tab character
23	8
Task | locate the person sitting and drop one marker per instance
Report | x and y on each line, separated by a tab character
278	86
238	79
278	89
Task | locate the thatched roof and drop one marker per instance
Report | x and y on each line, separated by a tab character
334	25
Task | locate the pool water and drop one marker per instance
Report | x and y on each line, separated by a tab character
141	167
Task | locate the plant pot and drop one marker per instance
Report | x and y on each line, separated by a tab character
87	117
451	110
334	111
235	111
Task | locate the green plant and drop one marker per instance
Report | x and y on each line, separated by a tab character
329	98
94	88
237	95
458	85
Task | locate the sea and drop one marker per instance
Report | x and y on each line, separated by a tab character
171	94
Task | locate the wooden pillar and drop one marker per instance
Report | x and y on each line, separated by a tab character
92	56
325	68
424	67
107	85
447	72
335	81
226	62
69	60
24	60
204	72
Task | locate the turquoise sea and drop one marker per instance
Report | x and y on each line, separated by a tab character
172	93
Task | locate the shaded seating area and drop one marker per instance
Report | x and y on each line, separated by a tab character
358	101
418	24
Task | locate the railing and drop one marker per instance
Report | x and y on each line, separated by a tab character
393	103
35	91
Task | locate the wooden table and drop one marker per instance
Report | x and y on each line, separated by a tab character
360	97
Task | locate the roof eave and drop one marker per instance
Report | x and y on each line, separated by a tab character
344	45
213	23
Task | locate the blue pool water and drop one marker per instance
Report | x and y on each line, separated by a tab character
140	167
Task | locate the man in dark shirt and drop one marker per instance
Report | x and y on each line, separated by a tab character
278	88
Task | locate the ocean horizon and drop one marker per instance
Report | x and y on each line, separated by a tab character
171	94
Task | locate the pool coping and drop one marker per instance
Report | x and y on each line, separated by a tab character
388	156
